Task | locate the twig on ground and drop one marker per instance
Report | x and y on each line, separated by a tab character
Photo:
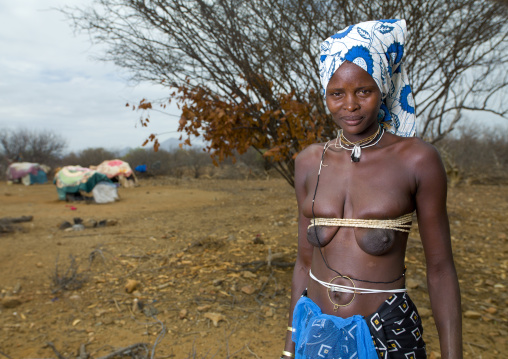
82	352
5	355
70	280
98	251
52	346
132	350
159	337
250	351
260	292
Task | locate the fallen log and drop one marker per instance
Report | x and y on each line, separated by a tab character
8	220
6	223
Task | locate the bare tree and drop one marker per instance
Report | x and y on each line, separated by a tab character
44	147
250	53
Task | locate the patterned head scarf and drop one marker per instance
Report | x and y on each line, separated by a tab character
377	47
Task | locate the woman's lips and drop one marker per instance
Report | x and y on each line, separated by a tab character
352	120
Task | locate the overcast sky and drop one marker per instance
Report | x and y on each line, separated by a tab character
49	81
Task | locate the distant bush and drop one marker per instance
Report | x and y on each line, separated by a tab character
88	157
476	157
194	163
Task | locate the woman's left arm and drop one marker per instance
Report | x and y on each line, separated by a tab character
442	281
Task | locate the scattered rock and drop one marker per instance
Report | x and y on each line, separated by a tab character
111	222
17	288
248	289
217	282
471	314
65	225
91	223
215	317
10	301
204	307
491	310
183	314
135	305
132	285
258	240
268	311
247	274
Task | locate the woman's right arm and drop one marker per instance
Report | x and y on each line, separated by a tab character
303	262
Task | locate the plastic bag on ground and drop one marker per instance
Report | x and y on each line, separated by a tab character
105	192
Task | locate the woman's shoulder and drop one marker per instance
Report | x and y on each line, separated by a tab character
311	152
416	150
309	158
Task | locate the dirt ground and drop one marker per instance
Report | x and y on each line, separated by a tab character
196	255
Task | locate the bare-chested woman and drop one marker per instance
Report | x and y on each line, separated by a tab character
356	196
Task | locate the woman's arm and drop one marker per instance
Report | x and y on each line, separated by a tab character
434	229
304	254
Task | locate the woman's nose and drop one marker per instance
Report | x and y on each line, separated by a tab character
350	103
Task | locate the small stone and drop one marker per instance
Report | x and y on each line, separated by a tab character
65	225
204	307
248	289
182	314
258	240
247	274
39	265
91	223
269	312
214	317
132	285
111	222
470	314
491	310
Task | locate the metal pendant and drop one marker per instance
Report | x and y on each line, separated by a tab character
356	153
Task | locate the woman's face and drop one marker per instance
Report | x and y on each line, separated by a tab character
353	98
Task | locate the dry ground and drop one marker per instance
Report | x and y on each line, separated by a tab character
189	244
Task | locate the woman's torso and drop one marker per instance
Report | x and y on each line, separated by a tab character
380	186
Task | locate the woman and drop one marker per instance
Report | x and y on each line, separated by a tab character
356	196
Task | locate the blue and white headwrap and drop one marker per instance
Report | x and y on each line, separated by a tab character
377	47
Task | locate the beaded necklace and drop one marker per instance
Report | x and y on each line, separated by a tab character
356	150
